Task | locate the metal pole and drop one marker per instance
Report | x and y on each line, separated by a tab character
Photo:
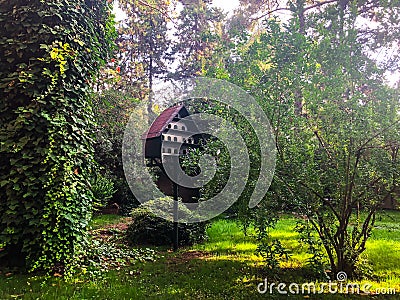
176	233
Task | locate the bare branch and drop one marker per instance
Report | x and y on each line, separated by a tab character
288	9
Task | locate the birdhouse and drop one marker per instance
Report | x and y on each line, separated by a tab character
171	134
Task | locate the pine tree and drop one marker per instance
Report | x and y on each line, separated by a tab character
144	46
198	35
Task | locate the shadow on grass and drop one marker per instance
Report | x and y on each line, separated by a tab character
173	277
231	271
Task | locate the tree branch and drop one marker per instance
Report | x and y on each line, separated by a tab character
288	9
161	11
325	201
362	147
322	143
326	246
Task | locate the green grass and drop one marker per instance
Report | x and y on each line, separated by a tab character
226	237
103	220
224	267
383	248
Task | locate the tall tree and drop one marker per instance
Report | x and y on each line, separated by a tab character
336	123
49	54
197	36
145	46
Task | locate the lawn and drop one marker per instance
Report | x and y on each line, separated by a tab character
224	267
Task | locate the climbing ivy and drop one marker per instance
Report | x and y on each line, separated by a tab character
50	53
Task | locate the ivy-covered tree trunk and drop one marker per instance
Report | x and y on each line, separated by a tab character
49	53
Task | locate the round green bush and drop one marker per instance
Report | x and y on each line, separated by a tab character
148	229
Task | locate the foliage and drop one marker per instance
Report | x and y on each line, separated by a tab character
102	188
148	229
269	248
273	252
107	249
317	261
112	110
50	52
198	37
101	257
214	147
144	47
336	124
143	41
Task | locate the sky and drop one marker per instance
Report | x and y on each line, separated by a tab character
226	5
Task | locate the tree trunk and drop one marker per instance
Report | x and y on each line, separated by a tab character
344	264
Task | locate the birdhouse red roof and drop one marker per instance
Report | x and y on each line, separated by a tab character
162	121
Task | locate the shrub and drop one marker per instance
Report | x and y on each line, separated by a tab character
112	110
102	188
148	229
